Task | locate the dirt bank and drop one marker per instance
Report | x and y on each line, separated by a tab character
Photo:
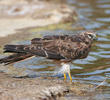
18	14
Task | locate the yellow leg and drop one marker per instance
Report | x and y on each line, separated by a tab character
70	76
64	76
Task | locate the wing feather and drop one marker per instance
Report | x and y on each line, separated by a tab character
54	47
60	47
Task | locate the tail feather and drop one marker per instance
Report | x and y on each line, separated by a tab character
14	48
15	57
19	53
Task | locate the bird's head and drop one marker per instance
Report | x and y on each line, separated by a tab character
91	35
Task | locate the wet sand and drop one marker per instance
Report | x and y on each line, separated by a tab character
29	88
42	89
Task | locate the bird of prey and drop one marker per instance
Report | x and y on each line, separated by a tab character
57	47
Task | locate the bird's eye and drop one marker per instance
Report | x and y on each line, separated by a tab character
90	36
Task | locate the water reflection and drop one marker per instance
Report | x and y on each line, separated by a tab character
95	15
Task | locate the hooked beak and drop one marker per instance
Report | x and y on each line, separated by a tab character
95	37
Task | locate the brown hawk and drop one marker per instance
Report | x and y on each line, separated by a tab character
59	47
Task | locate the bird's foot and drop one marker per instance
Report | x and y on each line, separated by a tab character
69	77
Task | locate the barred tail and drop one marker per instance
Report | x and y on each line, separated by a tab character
15	48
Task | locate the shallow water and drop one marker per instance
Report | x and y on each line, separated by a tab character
94	15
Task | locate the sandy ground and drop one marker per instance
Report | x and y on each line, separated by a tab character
19	14
29	89
42	89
